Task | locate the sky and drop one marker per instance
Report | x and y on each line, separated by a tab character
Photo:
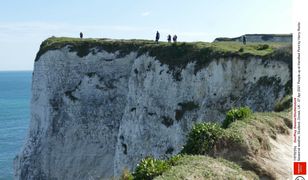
25	24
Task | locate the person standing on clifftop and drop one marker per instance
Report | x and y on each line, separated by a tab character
157	37
81	35
244	40
169	38
175	37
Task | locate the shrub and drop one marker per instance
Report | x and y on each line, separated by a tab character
236	114
150	168
202	138
283	104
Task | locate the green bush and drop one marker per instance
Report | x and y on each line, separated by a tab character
149	168
236	114
202	138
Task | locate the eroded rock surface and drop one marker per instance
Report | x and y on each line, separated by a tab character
95	115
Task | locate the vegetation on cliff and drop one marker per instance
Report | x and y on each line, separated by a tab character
176	55
238	145
236	114
238	150
205	167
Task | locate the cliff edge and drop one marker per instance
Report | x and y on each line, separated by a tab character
101	105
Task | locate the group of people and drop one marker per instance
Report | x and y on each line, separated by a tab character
175	37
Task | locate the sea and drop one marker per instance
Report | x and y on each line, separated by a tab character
15	93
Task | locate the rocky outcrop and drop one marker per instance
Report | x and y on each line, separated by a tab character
95	113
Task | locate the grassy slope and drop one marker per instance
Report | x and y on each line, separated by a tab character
250	150
205	167
255	133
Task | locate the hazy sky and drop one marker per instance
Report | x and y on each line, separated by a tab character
25	24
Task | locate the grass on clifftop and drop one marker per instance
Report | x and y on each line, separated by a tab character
176	55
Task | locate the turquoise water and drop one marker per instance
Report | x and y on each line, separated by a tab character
15	90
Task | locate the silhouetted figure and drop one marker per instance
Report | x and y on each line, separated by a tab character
81	35
174	38
244	40
157	37
169	38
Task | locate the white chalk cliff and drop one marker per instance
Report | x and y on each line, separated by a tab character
96	114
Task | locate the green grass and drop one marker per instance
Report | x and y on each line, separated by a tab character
245	134
204	167
230	153
250	138
85	46
176	56
242	141
187	167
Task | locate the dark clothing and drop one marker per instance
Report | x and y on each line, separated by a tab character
157	37
81	35
175	38
169	38
244	40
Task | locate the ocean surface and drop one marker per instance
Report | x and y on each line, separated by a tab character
15	88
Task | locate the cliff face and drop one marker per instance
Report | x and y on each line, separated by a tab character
96	110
